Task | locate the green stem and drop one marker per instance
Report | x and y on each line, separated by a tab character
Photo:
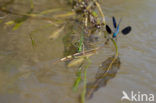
80	44
85	82
116	48
78	80
84	86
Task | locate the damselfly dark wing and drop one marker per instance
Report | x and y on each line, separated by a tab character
126	30
114	22
108	29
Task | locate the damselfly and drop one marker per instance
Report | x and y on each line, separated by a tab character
125	31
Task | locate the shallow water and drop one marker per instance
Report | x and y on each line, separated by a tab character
27	74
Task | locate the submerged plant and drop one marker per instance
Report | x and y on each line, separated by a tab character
106	71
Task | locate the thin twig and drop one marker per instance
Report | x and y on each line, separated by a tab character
100	10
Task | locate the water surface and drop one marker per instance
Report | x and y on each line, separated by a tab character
27	75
